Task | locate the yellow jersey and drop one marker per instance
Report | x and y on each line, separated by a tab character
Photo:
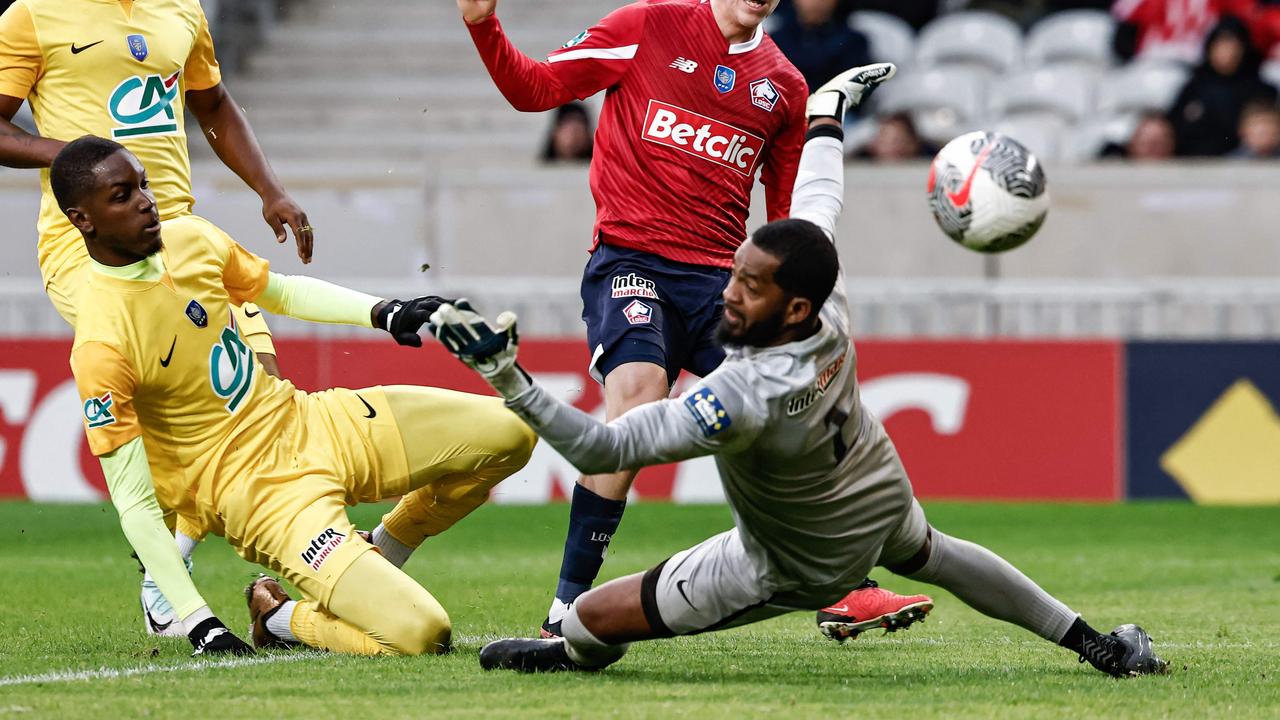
112	68
163	359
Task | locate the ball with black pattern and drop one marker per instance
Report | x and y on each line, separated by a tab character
988	192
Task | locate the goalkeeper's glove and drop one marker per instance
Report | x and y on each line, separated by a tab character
211	637
488	349
847	90
403	318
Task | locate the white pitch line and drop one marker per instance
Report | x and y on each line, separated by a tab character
115	673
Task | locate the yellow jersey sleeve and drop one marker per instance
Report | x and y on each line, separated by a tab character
107	384
21	61
244	275
202	71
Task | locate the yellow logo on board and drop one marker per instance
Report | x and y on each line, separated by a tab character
1231	456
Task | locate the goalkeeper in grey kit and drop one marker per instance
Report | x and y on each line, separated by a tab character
818	493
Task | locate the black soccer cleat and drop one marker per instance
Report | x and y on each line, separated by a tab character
550	630
1126	652
527	655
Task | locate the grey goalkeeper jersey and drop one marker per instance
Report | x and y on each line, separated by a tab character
800	459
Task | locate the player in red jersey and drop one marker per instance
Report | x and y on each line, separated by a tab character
700	102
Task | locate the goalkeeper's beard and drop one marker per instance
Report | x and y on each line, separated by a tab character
761	333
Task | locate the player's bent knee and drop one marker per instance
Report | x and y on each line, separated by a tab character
512	438
427	632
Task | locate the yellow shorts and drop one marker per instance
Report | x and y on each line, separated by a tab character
62	283
288	513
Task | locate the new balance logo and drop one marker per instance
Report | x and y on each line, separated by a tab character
684	66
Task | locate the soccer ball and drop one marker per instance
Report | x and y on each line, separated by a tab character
987	192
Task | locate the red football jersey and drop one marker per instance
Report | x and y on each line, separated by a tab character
688	122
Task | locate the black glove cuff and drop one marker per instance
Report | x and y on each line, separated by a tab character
824	130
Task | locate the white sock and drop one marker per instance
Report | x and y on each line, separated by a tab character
278	623
396	552
186	545
557	612
584	648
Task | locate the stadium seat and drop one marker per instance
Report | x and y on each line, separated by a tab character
1041	133
943	102
1074	36
1068	91
1142	86
1271	72
891	38
971	38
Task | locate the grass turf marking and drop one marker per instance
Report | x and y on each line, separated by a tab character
116	673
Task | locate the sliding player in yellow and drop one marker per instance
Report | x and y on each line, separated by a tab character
183	418
125	70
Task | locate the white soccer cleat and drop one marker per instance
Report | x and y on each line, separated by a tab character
158	617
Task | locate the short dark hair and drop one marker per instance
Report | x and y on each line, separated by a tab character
807	260
71	173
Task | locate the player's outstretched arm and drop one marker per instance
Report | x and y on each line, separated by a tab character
313	300
818	194
594	60
699	423
133	493
231	137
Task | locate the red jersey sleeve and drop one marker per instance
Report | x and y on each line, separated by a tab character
779	172
594	60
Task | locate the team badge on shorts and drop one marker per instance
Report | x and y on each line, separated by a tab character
321	547
708	411
638	313
764	95
97	411
138	46
724	78
197	314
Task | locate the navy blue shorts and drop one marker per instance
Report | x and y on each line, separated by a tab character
640	307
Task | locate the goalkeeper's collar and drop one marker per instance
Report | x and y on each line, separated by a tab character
148	269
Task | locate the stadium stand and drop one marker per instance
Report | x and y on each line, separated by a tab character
387	129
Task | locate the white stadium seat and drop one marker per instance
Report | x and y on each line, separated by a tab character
1068	91
943	102
971	38
1271	72
1141	86
1077	36
1042	134
891	38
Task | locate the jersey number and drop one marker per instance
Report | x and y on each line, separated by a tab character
837	418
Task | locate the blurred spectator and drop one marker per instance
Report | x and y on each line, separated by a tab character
917	13
1259	131
816	38
896	140
1170	29
1152	139
1206	115
1265	26
570	137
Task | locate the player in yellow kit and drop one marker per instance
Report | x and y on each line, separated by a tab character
125	70
183	418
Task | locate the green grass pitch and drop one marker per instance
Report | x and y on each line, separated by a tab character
1204	581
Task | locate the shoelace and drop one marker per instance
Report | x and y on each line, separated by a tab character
1101	653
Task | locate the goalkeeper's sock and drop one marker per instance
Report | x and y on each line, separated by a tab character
592	522
396	552
279	619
